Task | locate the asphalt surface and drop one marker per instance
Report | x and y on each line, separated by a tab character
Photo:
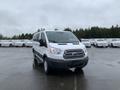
101	73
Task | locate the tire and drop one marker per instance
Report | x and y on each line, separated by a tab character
107	46
47	68
35	64
89	47
0	45
23	45
10	45
112	45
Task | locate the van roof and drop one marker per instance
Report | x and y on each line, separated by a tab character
53	31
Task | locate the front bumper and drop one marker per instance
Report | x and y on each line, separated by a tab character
87	44
62	64
116	44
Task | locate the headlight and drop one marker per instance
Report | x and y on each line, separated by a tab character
53	50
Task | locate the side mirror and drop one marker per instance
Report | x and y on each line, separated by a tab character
42	42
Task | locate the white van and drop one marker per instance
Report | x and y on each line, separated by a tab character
58	50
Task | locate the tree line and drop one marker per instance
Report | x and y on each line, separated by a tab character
93	32
21	36
97	32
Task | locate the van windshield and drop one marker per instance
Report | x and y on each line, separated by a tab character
61	37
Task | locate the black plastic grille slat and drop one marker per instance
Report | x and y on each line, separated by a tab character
73	53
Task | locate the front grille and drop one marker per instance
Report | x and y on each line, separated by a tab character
73	53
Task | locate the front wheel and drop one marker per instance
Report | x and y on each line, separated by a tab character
10	45
47	68
23	45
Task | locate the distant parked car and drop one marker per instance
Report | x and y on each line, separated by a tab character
115	43
28	43
92	41
86	42
100	43
6	43
19	43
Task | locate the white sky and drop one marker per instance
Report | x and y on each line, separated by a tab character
26	16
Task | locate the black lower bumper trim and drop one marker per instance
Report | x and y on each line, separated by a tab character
61	64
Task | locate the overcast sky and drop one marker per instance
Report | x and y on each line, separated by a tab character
17	16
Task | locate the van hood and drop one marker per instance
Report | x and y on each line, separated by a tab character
64	46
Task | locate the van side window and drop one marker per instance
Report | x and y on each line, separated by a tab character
36	37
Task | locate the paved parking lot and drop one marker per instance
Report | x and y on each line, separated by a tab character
101	73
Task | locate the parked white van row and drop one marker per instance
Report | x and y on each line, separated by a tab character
101	42
98	42
16	43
